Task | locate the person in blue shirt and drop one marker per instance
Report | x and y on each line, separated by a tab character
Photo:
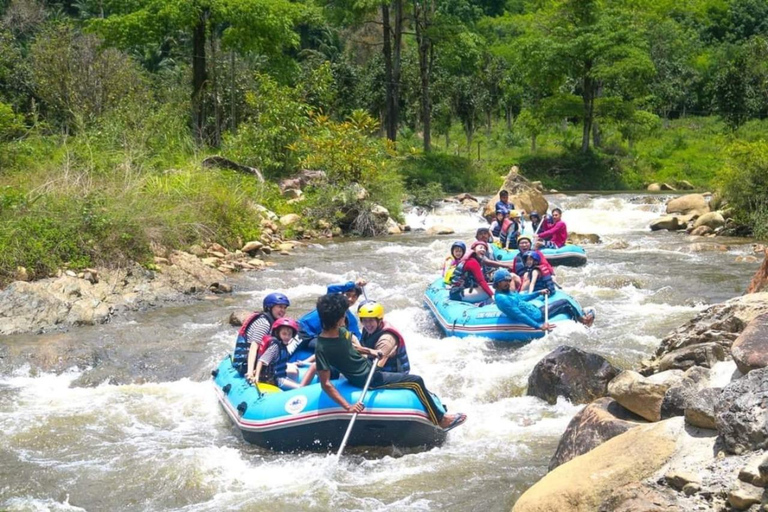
309	324
503	202
517	306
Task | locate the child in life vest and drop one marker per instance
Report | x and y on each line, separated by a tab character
277	347
536	277
457	252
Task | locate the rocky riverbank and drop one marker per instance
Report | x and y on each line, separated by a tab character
687	431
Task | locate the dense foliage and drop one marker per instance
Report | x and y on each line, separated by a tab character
107	108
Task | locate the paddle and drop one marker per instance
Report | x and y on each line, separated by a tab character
546	314
354	416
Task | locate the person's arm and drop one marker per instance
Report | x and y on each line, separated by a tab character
387	346
509	307
474	267
534	278
331	391
257	371
340	288
353	325
549	232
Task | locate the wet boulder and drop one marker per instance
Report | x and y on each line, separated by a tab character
741	413
598	422
688	204
668	222
522	193
238	318
750	350
702	231
712	220
440	230
583	239
578	376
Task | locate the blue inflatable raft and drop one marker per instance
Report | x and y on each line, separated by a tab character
462	319
567	255
308	419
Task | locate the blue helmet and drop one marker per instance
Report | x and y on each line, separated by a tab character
532	254
459	244
275	299
533	214
501	275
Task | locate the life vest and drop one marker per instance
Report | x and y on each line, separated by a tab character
519	265
512	225
271	372
397	364
449	267
462	279
497	230
243	344
544	281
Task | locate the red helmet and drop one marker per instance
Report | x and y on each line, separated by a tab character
477	243
283	322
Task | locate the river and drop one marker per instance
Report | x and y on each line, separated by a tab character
135	424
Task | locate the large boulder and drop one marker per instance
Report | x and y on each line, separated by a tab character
583	239
654	187
680	395
700	409
643	396
583	483
702	231
741	413
440	230
668	222
750	350
579	376
712	220
721	324
522	194
289	219
598	422
687	204
759	281
702	354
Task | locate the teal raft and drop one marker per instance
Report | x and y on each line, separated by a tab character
308	419
567	255
462	319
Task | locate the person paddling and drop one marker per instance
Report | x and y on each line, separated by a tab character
554	236
338	348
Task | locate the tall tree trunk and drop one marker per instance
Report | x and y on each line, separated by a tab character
588	96
508	115
423	11
216	135
199	75
489	122
397	46
388	93
232	112
533	143
597	134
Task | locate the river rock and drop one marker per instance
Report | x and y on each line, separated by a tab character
641	395
584	482
750	350
720	323
583	239
744	495
759	281
290	219
668	222
680	395
654	187
380	213
393	228
465	197
751	473
741	413
688	204
700	408
252	247
579	376
702	354
713	220
684	185
220	287
521	193
293	194
599	421
440	230
702	231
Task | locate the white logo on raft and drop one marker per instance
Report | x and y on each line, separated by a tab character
296	404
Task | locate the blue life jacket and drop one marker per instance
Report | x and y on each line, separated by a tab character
397	364
277	370
544	281
243	344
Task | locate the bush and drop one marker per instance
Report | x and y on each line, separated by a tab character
453	173
744	185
